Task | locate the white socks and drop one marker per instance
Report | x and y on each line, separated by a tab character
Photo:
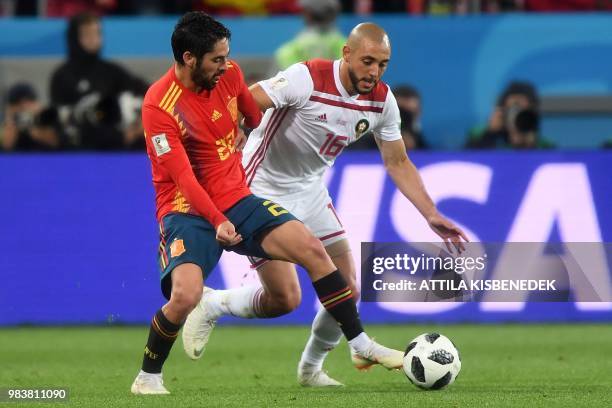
325	335
360	343
145	374
240	302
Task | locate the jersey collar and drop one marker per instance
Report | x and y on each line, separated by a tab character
339	85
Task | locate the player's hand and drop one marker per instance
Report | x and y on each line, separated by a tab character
448	231
240	140
227	235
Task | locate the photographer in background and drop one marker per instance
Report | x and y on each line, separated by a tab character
98	101
27	125
515	122
409	103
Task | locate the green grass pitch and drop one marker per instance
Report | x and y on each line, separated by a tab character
503	365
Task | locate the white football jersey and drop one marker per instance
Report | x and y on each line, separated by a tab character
314	119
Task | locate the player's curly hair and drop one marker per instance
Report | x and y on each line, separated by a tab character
197	32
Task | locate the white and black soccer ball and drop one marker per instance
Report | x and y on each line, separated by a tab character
431	361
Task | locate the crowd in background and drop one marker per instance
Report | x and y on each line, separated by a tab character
68	8
94	103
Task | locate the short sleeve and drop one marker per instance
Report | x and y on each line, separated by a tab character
388	128
291	87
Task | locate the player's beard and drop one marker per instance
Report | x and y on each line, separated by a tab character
198	76
355	83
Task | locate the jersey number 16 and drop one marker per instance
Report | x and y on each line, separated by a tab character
333	145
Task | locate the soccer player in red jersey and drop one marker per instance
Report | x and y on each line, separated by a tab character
204	204
314	110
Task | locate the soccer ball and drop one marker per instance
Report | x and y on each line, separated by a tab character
431	361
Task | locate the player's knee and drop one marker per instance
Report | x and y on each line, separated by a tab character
288	301
186	298
313	250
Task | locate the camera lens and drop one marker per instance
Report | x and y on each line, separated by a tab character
527	121
523	120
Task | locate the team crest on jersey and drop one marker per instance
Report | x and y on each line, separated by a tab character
361	128
177	248
232	107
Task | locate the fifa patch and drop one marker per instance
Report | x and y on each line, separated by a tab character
161	144
278	83
177	248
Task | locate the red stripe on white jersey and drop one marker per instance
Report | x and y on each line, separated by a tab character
360	102
270	129
270	124
267	142
332	235
257	264
322	74
346	105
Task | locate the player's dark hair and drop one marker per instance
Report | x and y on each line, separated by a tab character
197	32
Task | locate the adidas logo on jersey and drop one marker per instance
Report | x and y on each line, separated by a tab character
215	115
322	118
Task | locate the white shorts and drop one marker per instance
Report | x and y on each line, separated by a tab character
313	207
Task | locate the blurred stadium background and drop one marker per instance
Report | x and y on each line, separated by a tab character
79	237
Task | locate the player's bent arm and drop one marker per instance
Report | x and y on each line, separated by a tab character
171	156
194	193
405	176
261	97
247	106
289	88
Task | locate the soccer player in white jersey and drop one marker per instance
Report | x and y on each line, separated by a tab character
313	111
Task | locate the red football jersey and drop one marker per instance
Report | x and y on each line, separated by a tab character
190	142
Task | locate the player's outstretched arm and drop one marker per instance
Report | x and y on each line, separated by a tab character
407	179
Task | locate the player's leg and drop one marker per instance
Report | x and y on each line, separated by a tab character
319	215
279	294
269	231
192	252
292	242
326	334
187	283
281	288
